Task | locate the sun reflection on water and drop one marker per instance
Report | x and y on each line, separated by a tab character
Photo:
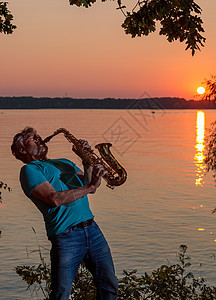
199	156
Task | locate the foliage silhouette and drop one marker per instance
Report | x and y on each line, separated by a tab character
210	150
179	19
210	89
6	18
167	282
5	187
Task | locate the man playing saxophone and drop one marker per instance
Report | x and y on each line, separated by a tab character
59	189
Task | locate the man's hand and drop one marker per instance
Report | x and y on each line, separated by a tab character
84	144
98	171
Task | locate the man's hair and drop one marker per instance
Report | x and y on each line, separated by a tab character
18	143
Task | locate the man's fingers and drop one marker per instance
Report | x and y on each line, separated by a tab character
104	171
100	172
84	144
99	166
97	173
98	169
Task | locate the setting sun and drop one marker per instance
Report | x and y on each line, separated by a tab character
201	90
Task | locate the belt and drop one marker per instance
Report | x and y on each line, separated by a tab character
83	224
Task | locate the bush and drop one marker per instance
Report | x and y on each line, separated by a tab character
5	187
166	283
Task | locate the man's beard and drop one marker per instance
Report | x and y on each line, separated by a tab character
42	153
39	152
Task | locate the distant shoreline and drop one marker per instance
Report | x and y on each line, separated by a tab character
106	103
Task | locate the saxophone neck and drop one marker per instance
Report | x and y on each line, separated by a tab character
66	133
48	138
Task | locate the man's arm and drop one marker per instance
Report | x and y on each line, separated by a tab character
45	191
87	175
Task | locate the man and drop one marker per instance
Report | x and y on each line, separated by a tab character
59	189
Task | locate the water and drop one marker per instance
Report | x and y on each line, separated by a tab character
165	202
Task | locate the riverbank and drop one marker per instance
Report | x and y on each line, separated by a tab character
106	103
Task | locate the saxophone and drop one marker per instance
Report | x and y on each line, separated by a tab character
116	174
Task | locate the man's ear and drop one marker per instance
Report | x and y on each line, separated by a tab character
22	151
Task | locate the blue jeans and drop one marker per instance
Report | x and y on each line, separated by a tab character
72	247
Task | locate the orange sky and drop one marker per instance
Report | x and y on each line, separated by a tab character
59	50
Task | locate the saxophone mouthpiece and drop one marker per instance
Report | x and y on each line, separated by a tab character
47	139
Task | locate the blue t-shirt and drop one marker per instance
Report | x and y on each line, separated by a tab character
61	174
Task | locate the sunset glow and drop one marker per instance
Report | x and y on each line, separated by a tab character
199	156
79	53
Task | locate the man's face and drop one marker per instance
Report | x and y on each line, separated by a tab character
35	147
